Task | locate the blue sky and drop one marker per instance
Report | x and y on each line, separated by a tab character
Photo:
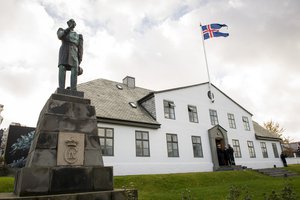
159	43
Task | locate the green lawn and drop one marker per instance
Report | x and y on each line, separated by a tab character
205	185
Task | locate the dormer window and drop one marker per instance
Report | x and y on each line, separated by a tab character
169	110
119	87
133	105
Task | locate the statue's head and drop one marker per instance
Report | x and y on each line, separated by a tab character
71	23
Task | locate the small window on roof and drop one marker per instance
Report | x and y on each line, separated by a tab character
132	104
119	87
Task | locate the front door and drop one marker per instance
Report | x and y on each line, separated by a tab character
217	140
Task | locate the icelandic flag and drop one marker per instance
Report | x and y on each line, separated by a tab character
213	30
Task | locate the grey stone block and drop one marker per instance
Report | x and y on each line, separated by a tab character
47	140
42	158
103	178
98	195
93	157
54	123
69	92
31	181
71	179
71	109
92	142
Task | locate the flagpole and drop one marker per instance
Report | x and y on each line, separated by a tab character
207	69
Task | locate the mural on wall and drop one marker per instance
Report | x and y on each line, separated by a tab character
18	143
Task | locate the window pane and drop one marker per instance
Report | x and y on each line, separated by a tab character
169	138
175	146
101	132
175	152
138	135
109	133
145	144
109	151
139	152
194	139
102	141
174	138
139	144
109	142
145	136
146	152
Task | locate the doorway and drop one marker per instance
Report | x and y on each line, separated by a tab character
218	140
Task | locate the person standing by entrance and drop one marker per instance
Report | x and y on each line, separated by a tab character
229	152
221	155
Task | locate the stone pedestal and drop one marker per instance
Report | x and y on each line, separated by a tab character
65	155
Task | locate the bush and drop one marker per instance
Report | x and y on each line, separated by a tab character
241	193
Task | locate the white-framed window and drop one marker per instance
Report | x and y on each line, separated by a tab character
193	116
236	148
197	146
106	137
213	117
169	109
251	149
275	150
231	120
264	149
172	145
246	123
142	144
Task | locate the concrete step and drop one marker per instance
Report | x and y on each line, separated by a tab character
231	168
276	172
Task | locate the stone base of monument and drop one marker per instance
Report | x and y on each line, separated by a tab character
98	195
57	180
65	154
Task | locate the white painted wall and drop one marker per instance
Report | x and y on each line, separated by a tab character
293	160
126	162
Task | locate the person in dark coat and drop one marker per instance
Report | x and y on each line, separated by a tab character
70	54
283	156
229	152
221	155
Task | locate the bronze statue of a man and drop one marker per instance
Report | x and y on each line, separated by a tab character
70	54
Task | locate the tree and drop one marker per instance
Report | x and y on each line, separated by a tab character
274	127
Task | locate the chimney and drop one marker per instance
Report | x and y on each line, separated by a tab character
129	81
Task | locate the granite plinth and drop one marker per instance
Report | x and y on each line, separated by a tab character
58	180
65	155
63	113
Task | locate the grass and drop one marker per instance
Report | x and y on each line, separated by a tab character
205	186
200	186
6	184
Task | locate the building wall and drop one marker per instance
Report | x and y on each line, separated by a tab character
197	96
126	162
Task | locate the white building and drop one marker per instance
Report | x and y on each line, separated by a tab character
176	130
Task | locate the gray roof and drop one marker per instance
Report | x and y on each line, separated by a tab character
262	133
113	103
